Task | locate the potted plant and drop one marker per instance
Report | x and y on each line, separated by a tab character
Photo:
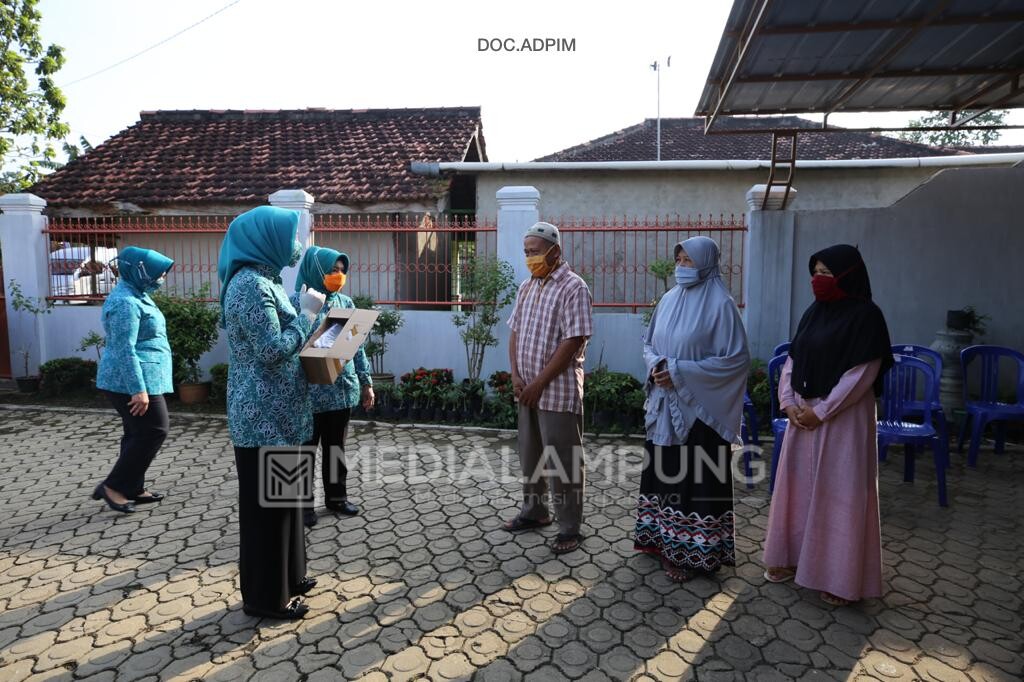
503	410
453	398
191	331
968	320
473	398
635	400
34	307
388	322
386	397
595	391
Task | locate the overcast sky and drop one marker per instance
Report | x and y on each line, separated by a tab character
343	54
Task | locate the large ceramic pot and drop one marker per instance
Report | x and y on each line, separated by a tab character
27	384
948	343
194	393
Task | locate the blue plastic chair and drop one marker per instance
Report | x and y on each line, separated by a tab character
899	396
781	349
988	408
778	422
915	408
749	433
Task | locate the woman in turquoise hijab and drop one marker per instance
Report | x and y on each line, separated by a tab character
325	270
135	372
269	415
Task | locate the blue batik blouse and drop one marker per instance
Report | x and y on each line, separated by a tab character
268	397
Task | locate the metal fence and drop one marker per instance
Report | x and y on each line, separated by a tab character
81	249
629	261
408	261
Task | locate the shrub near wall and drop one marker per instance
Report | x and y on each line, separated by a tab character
67	375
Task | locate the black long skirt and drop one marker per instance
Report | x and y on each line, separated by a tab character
272	544
685	509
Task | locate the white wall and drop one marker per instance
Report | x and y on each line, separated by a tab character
651	193
953	242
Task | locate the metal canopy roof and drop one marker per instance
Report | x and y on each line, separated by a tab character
825	56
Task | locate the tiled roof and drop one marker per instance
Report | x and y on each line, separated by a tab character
338	156
992	148
684	139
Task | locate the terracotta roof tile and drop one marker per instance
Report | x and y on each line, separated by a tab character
338	156
684	139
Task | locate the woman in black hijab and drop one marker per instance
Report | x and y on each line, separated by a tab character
824	529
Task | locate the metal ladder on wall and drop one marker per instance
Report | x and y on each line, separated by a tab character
781	164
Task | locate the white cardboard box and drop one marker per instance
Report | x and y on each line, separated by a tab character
323	365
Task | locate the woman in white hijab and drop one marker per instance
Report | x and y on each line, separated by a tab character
697	361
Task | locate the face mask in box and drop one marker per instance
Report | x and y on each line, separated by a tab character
335	342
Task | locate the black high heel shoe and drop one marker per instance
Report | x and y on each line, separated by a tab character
148	499
293	611
304	586
100	493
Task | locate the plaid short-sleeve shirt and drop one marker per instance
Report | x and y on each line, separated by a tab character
547	312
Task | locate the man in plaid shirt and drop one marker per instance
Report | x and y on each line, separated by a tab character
551	322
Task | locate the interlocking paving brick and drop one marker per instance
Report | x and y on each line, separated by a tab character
669	666
361	660
425	582
406	665
452	667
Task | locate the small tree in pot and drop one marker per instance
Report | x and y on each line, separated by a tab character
388	323
490	285
191	331
33	307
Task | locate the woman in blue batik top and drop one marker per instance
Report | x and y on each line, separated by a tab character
135	373
325	270
268	401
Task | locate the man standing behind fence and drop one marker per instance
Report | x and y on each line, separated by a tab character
551	322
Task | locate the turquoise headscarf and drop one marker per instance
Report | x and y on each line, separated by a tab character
317	262
263	236
142	267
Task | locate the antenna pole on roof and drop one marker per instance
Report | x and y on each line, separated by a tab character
657	71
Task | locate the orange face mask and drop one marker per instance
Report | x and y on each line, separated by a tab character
539	266
334	281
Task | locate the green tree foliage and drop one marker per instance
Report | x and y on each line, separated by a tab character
30	112
954	138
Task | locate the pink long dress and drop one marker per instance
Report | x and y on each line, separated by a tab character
824	513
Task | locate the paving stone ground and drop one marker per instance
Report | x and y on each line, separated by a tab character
425	584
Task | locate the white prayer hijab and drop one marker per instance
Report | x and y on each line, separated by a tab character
698	332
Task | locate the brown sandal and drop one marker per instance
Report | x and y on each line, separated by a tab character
779	574
680	575
833	600
564	544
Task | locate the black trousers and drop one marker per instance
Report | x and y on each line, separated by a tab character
272	545
329	429
142	439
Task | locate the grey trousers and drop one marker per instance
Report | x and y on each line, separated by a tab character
551	448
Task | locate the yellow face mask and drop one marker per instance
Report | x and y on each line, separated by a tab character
334	281
539	266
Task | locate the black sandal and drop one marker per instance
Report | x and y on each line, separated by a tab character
519	523
564	544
